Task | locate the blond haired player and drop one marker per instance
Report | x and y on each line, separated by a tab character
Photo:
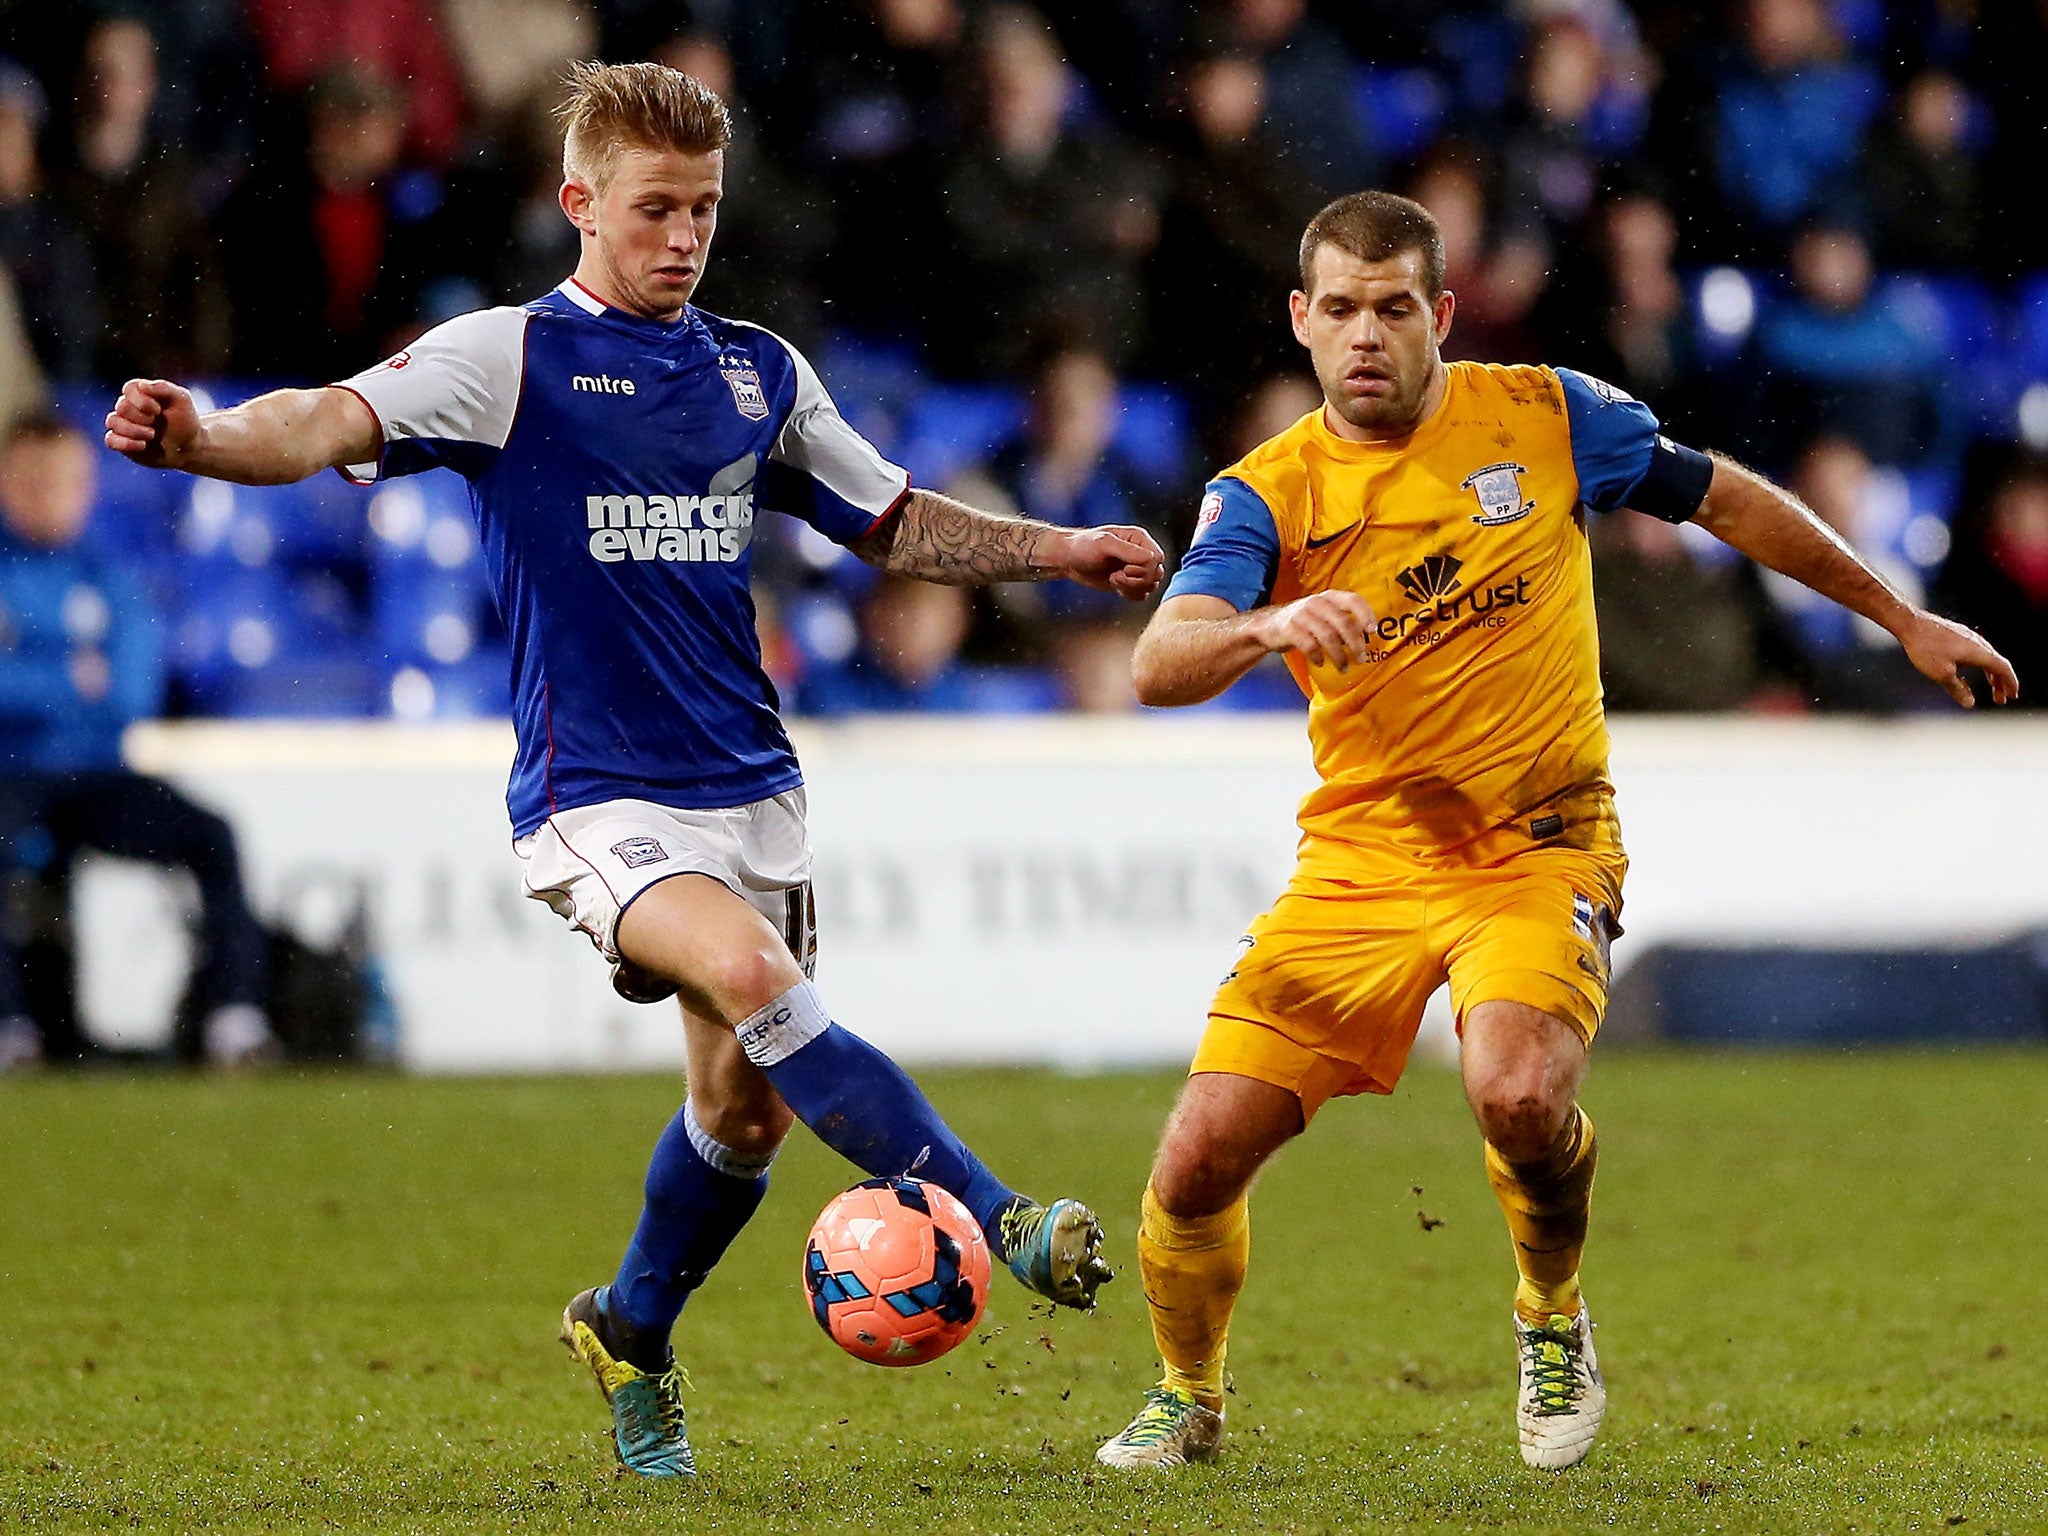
1416	548
619	442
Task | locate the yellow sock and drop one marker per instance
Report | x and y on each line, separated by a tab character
1548	1202
1193	1268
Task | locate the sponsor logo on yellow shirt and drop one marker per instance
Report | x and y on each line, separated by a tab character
1443	602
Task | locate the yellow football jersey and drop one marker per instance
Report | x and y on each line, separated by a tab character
1474	728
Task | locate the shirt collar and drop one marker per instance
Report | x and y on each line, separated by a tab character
591	304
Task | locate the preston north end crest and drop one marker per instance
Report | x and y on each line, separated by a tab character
1499	489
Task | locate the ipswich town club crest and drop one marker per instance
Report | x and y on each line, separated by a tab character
1499	489
746	392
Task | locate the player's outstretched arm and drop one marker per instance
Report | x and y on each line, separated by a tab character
1196	645
272	440
936	538
1774	528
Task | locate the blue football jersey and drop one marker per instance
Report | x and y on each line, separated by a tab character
616	465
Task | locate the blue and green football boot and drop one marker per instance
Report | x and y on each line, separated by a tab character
1055	1250
647	1407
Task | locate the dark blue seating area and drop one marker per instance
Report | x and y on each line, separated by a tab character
314	600
1983	355
949	429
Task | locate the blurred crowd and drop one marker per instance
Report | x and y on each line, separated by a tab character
1041	254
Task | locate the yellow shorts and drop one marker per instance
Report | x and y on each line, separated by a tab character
1330	982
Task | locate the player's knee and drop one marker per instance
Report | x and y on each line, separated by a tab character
1521	1116
1191	1180
747	978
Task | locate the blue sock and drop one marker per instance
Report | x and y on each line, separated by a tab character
865	1107
700	1193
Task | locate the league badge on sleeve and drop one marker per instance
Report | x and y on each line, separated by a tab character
1212	508
747	397
1499	489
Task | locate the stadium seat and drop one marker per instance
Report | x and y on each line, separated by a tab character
1860	22
479	687
422	616
216	599
429	604
303	686
832	691
257	525
1725	303
820	624
1956	314
1482	50
423	520
1963	324
257	641
872	382
1402	108
1268	687
134	509
1780	143
951	428
1152	433
2033	325
1013	691
1931	494
1933	491
1618	122
315	521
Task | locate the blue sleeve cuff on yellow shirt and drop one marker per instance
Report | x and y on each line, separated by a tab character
1236	550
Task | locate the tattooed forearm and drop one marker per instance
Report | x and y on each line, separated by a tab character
936	538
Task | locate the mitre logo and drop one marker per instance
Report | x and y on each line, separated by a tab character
1433	578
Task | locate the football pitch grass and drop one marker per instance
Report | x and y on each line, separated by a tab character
329	1302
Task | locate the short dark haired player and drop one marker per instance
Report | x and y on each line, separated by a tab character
1416	549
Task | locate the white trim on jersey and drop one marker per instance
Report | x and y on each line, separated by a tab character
818	441
580	296
457	383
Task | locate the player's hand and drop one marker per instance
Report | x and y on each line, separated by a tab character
154	422
1123	560
1333	628
1941	649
